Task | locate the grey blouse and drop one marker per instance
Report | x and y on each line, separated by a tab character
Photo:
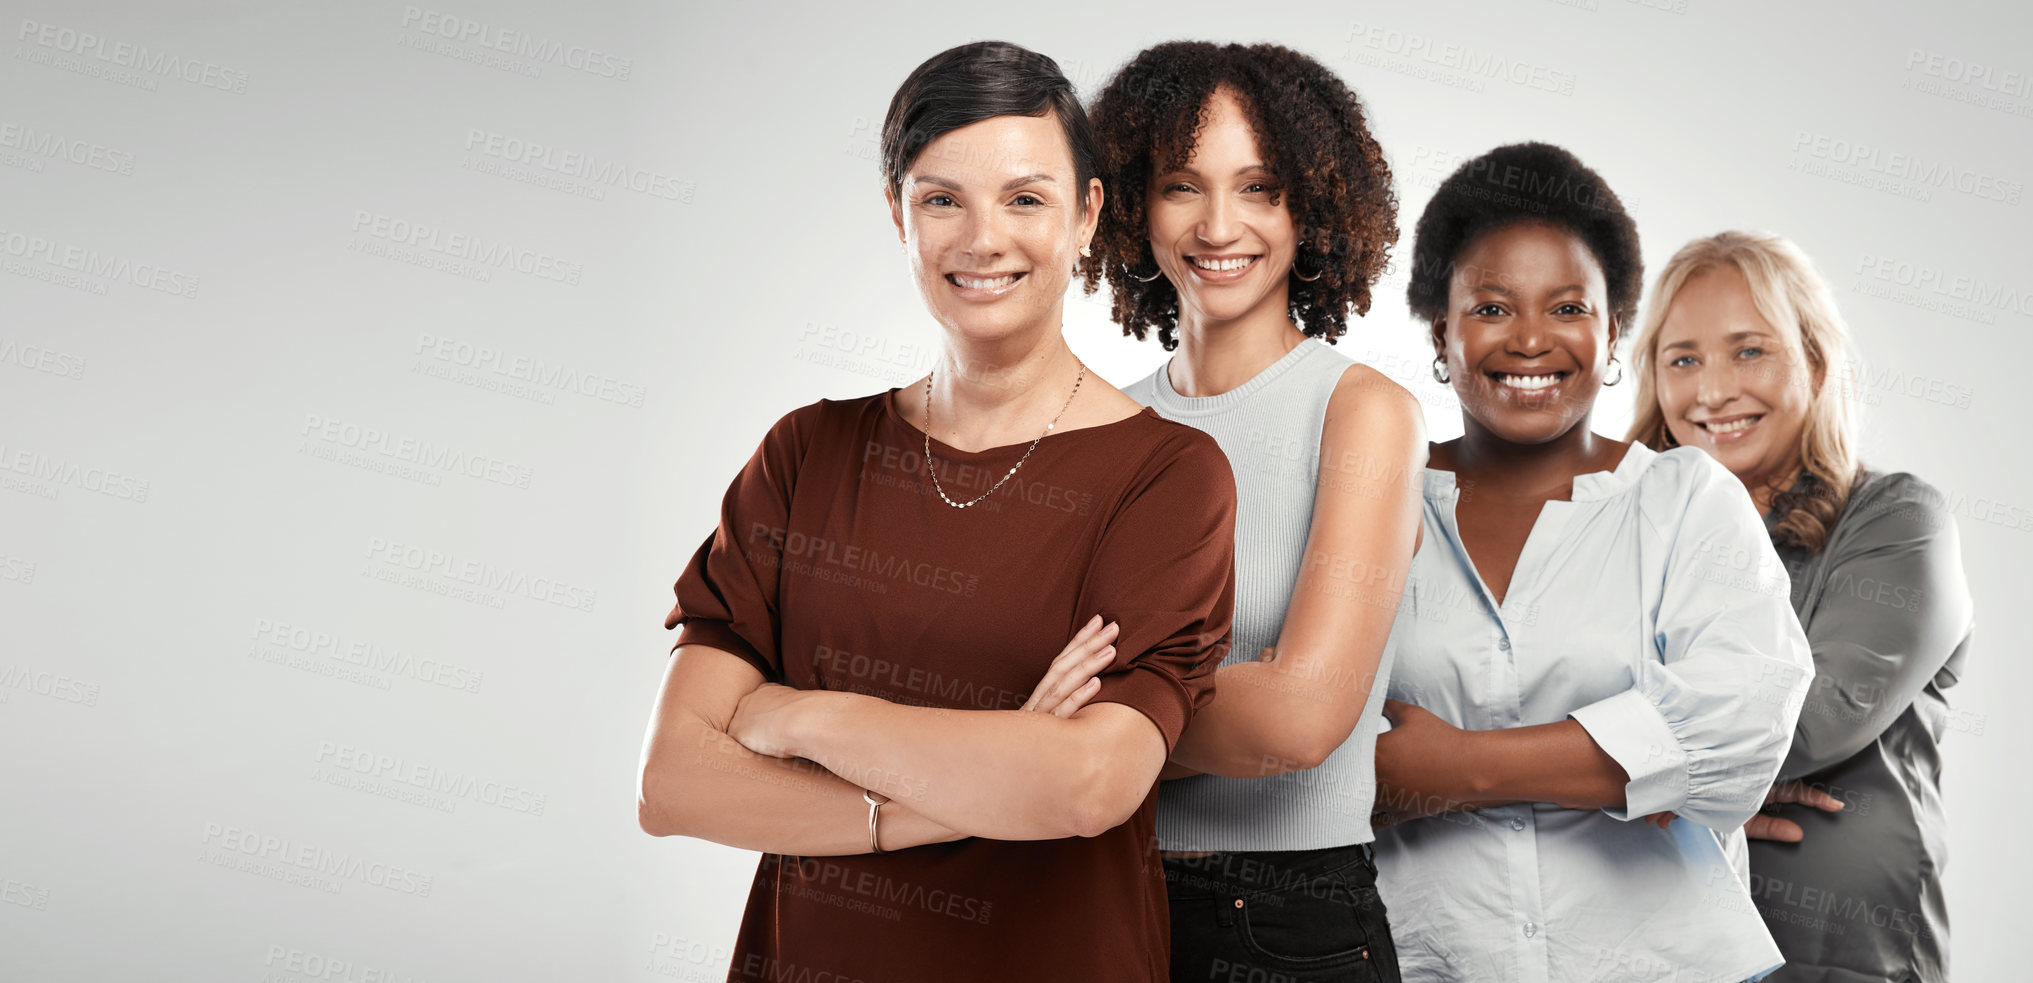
1887	612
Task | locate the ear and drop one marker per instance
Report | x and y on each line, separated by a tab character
1091	217
1438	333
1616	332
896	213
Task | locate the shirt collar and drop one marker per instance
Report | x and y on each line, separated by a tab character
1593	486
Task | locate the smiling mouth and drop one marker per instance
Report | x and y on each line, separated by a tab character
1223	265
1528	383
965	282
1724	428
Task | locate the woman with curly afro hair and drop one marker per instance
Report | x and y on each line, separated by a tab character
1596	637
1249	211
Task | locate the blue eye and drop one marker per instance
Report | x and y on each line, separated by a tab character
940	200
1750	352
1682	362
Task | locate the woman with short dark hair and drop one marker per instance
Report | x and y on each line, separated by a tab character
893	574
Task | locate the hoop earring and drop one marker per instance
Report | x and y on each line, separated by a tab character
1440	374
1620	372
1142	279
1295	265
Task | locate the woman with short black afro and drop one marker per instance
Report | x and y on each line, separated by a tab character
1524	181
1249	210
1596	669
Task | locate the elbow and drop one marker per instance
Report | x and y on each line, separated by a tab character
1292	752
654	810
1101	798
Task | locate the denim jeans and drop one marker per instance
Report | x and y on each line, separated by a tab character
1279	916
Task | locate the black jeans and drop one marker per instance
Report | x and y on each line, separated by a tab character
1279	916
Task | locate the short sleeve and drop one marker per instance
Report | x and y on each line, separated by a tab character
1893	609
1702	730
727	595
1164	570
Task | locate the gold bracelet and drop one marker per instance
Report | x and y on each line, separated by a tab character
874	842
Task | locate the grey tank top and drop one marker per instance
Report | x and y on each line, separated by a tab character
1270	428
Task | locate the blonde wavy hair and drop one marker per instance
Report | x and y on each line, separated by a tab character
1786	290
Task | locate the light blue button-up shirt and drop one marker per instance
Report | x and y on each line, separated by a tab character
1652	609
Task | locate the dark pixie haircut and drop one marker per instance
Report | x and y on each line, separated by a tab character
984	79
1524	182
1314	136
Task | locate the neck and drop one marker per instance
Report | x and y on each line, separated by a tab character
1530	470
1764	489
986	393
1216	356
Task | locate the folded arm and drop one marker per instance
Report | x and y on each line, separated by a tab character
1290	711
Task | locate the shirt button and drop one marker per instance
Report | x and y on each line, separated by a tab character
1517	824
1531	929
1504	643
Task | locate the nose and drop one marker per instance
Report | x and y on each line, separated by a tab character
1529	336
1715	385
987	235
1218	225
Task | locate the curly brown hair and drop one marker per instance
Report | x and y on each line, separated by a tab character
1313	135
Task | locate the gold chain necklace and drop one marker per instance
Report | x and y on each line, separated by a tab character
1020	461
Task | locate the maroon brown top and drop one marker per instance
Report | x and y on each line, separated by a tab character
836	566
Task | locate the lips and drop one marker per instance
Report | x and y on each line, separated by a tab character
1220	269
1730	429
986	285
1528	386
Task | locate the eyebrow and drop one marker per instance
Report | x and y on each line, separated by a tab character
1506	291
1734	336
1013	184
1244	169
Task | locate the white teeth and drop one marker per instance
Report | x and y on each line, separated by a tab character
974	284
1732	426
1223	265
1527	381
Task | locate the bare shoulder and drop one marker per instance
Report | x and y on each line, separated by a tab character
1369	403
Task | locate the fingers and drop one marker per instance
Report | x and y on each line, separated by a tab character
1394	711
1764	827
1799	793
1079	658
1079	698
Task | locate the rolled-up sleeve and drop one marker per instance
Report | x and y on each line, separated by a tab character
1893	609
1703	729
727	595
1164	569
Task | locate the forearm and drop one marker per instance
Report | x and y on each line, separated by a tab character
1001	774
706	785
1557	763
1268	719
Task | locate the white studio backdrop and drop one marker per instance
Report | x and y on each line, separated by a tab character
368	372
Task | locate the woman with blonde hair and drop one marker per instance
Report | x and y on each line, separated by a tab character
1743	354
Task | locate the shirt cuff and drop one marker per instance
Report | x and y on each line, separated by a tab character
721	635
1630	729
